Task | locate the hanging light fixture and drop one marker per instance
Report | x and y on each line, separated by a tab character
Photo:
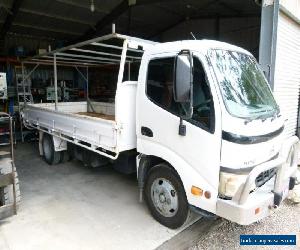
92	6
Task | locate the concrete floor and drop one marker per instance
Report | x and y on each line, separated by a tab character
69	206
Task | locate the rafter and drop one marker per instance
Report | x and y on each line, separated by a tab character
115	13
68	32
109	18
10	18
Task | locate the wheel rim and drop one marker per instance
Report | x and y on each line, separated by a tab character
164	197
47	149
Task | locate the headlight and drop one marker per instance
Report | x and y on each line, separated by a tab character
230	183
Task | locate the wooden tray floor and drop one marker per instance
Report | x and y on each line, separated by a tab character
97	115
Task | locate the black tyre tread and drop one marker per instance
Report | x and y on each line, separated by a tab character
64	156
70	150
55	156
165	171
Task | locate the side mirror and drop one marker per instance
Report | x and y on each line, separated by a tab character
183	85
183	78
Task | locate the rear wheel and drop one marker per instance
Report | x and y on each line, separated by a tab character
64	156
50	155
165	196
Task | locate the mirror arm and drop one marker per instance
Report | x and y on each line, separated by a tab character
182	128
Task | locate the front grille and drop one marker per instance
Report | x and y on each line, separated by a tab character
264	177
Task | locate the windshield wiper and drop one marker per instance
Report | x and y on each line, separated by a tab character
263	117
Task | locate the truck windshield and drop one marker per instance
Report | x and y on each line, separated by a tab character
243	86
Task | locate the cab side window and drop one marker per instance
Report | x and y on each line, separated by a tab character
160	83
159	89
203	113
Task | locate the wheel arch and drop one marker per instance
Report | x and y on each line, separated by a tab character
145	163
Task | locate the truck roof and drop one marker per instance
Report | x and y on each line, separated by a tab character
194	45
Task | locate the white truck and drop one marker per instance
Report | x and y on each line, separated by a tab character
199	126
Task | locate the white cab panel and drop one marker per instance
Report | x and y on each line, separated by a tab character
196	156
125	115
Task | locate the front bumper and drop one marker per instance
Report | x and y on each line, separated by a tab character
245	207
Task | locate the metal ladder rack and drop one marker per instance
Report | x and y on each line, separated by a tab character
7	179
23	87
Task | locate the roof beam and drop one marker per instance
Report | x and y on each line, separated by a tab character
108	19
86	5
215	16
182	18
229	7
59	17
26	36
10	18
100	10
236	14
116	12
47	14
68	32
64	18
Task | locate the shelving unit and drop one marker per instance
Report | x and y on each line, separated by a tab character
5	132
8	174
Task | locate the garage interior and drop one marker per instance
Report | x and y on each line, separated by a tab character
70	204
30	28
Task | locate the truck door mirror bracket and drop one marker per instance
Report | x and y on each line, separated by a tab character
182	128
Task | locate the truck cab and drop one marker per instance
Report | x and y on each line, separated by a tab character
210	134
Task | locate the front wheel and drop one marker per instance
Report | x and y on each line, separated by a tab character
165	196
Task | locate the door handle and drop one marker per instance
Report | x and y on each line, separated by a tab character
146	131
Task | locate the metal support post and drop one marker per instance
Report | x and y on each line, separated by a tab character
87	83
55	82
86	78
122	61
23	84
20	116
268	39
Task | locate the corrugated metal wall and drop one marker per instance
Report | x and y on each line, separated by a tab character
287	70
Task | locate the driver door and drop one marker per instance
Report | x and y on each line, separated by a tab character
158	114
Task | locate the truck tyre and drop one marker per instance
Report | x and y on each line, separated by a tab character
165	196
71	150
6	193
64	156
51	156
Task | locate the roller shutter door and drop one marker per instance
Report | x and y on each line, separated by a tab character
287	71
